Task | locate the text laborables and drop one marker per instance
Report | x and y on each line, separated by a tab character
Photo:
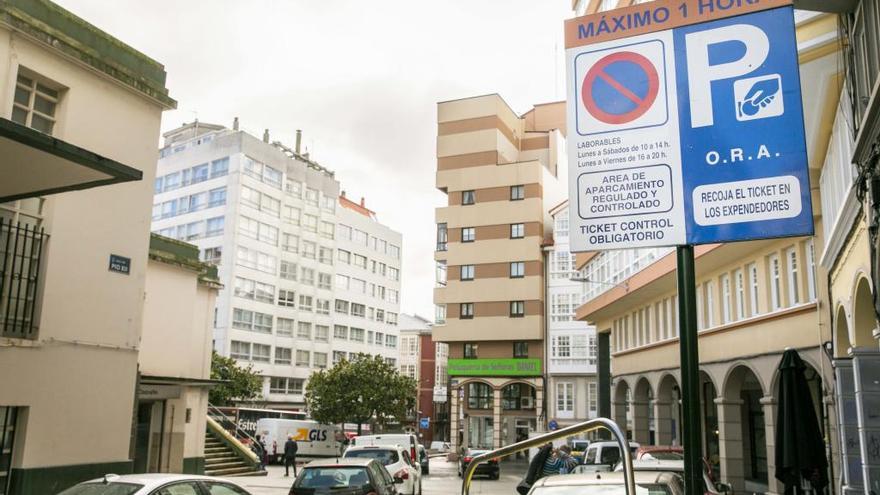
655	17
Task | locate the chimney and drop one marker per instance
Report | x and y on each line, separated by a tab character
235	124
342	193
299	136
266	136
362	202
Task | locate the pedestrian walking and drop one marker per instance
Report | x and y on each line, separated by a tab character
536	469
290	448
259	450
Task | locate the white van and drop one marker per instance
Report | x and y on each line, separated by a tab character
312	438
405	440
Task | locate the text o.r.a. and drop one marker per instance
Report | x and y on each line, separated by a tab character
734	155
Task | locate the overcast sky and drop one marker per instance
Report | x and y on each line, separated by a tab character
361	79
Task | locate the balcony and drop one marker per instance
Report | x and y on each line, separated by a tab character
21	251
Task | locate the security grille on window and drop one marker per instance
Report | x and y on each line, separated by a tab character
35	104
517	192
468	197
517	309
468	234
466	311
517	231
467	272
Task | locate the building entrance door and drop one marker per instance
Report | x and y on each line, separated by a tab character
142	436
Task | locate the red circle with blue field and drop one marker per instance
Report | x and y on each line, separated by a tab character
620	87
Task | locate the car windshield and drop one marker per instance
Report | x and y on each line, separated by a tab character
384	456
103	489
663	456
646	489
333	477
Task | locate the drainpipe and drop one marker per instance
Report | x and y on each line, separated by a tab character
546	334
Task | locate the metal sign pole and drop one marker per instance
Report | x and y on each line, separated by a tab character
690	371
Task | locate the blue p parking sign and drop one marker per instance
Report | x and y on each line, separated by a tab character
688	127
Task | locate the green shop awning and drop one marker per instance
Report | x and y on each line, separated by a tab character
36	164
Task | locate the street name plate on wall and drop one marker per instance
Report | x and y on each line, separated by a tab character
120	264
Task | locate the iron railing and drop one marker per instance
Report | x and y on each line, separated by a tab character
586	426
21	251
231	426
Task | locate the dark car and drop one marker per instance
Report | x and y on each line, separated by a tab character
355	476
490	467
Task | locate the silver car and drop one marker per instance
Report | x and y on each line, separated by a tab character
156	484
647	483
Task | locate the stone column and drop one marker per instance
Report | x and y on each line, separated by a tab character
662	422
640	422
454	405
769	407
539	408
496	418
731	442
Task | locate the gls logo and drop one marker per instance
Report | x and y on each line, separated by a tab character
754	98
305	434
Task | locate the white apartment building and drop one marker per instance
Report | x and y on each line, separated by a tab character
571	344
267	215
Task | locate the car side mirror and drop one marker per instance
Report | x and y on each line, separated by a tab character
723	487
398	480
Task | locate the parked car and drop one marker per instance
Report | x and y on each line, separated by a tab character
490	467
423	459
405	440
356	476
440	447
143	484
660	453
608	484
397	462
676	466
606	452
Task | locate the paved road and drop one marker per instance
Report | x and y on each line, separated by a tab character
442	480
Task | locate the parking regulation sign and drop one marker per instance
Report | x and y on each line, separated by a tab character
685	125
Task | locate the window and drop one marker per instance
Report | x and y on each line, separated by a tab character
442	237
341	306
565	398
358	310
325	281
340	332
261	353
775	283
360	261
562	306
303	358
467	272
394	251
288	270
34	104
517	309
343	256
310	223
710	302
560	226
593	405
466	310
216	197
391	318
312	196
257	260
283	385
517	269
292	215
257	291
285	327
357	334
283	355
740	302
325	255
307	275
753	288
792	273
294	188
726	315
520	349
338	356
214	226
380	338
358	285
517	192
304	330
212	255
320	360
470	351
328	203
240	350
440	314
468	197
322	306
309	250
286	298
393	273
479	396
360	237
291	243
811	270
220	167
327	230
517	231
305	302
322	333
560	346
468	234
249	227
343	231
391	341
380	315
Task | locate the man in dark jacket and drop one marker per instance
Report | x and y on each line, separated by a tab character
290	449
536	469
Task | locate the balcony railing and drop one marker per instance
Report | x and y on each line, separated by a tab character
21	251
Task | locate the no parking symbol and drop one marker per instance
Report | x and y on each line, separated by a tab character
622	88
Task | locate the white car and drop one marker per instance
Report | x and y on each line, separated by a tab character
397	461
156	484
647	483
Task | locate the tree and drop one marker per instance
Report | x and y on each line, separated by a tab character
241	383
364	390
